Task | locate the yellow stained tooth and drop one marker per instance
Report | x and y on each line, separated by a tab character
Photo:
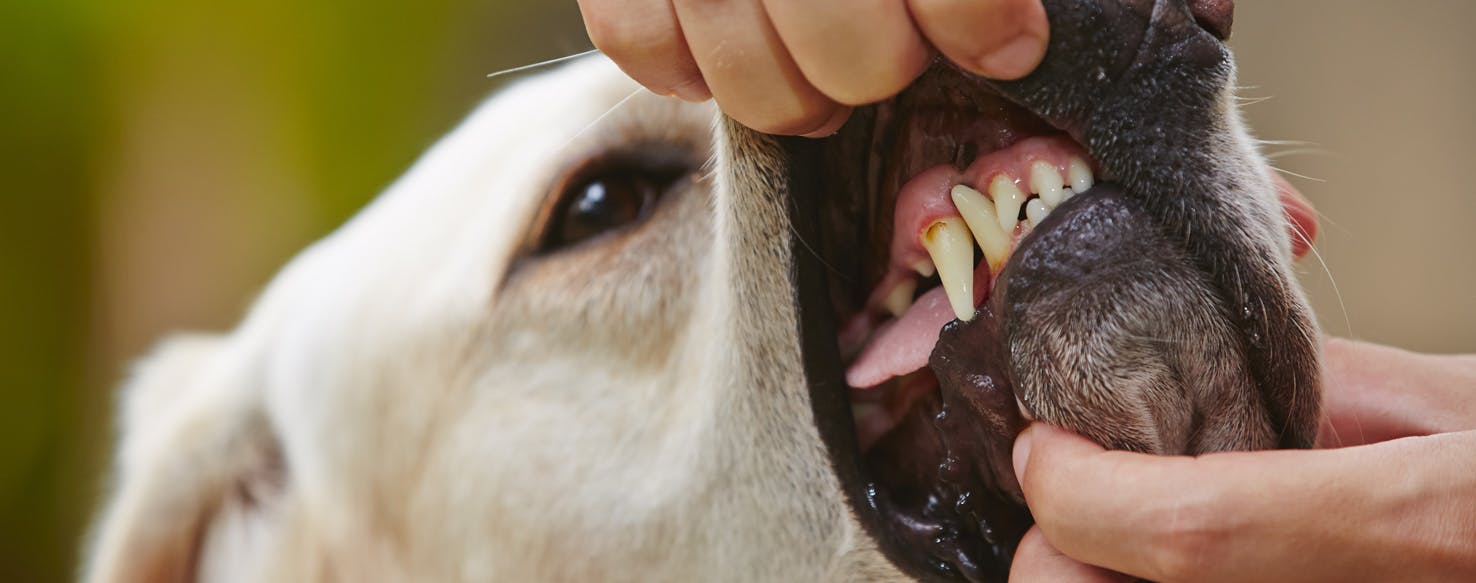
1007	200
978	212
900	298
1035	212
949	243
1045	180
1080	175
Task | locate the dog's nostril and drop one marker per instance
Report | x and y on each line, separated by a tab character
1215	16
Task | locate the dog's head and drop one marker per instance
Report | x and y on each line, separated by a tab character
597	333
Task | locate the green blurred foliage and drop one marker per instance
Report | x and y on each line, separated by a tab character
269	121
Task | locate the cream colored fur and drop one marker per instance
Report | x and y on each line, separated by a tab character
415	398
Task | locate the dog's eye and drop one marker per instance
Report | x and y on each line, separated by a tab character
605	197
601	204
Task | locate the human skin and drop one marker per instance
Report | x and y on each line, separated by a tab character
797	66
1391	498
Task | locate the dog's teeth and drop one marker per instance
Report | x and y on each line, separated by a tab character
1035	212
1080	175
1067	193
1007	200
949	243
1046	181
900	298
978	213
924	268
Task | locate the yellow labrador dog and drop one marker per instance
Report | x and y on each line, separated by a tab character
597	334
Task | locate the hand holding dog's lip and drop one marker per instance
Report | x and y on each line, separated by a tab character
1383	512
796	67
1375	395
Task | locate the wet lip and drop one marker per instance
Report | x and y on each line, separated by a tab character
899	472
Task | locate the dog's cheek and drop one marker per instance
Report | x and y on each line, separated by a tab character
625	296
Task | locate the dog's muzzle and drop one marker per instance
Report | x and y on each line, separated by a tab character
1076	246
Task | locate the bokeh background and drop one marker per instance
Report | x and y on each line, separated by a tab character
159	159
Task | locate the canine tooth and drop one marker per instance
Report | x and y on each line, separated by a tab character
1035	212
1007	200
949	243
1080	175
1045	180
900	298
924	268
978	213
1067	193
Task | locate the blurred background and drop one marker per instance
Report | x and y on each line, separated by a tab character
161	158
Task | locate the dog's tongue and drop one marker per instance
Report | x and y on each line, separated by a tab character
902	345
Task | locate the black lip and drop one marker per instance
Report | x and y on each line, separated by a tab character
822	360
824	369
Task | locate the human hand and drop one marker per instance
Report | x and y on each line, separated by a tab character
796	66
1373	510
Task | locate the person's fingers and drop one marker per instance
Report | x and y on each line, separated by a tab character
1301	217
1367	513
750	72
1037	560
1376	393
642	37
1000	39
854	51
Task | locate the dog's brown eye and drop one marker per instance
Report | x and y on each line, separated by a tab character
601	204
610	194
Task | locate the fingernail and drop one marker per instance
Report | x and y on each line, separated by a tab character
694	90
1022	452
832	124
1015	58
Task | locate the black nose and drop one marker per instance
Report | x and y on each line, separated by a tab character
1215	16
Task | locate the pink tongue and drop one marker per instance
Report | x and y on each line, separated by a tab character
902	345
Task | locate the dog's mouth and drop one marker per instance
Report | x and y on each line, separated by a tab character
955	249
925	199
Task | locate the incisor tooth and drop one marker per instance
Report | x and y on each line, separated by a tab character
1035	212
900	298
1007	200
1080	175
949	243
978	212
1045	180
924	268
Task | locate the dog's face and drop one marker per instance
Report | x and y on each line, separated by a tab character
600	334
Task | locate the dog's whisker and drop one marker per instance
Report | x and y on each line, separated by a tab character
1251	101
1302	176
1296	152
1343	307
540	64
601	118
1285	142
818	256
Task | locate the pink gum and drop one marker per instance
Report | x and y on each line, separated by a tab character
926	198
